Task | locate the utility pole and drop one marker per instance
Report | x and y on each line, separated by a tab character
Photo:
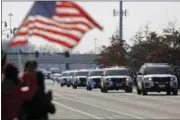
121	13
10	15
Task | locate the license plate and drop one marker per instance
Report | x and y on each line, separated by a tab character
161	86
119	84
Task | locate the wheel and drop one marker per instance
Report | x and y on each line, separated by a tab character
102	90
88	88
175	92
74	87
105	90
128	89
168	92
138	91
68	85
144	92
62	85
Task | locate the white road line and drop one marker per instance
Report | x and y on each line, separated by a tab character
76	110
118	112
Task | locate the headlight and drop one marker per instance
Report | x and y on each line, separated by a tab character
108	79
149	79
173	79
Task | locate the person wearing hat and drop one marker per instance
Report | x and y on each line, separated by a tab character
12	94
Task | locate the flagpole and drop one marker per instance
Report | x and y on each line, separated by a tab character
20	26
20	61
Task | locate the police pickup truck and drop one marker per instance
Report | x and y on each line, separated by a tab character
64	77
79	79
116	78
94	79
156	77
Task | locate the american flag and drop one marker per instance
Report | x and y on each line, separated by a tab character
62	22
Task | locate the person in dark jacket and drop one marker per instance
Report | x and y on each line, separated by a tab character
39	107
12	96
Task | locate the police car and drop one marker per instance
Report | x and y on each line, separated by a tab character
94	79
64	77
70	78
79	79
116	78
156	77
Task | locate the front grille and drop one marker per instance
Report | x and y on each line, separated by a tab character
162	79
97	80
82	79
118	80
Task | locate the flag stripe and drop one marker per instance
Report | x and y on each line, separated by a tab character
67	10
68	15
53	40
86	15
19	42
72	37
53	23
73	19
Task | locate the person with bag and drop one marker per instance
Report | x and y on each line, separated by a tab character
39	107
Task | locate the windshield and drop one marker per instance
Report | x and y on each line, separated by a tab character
81	73
53	71
64	74
116	72
95	73
71	73
157	70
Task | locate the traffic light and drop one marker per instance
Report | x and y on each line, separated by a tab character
36	54
67	54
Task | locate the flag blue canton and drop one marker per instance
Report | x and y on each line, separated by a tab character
43	8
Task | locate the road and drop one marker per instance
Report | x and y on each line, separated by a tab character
82	104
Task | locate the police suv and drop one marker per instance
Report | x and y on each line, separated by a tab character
70	78
156	77
94	79
64	77
116	78
79	79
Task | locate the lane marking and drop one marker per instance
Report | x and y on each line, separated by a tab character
118	112
76	110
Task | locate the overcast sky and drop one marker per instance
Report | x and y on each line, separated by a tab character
156	13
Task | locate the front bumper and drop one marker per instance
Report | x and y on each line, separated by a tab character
160	86
81	82
115	84
95	83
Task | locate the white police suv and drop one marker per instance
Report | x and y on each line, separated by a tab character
94	79
156	77
64	77
79	79
116	78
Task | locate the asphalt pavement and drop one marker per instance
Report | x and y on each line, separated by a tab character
82	104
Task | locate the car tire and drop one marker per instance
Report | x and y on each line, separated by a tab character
88	88
168	92
74	87
68	85
175	92
138	91
105	90
102	89
128	89
62	85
